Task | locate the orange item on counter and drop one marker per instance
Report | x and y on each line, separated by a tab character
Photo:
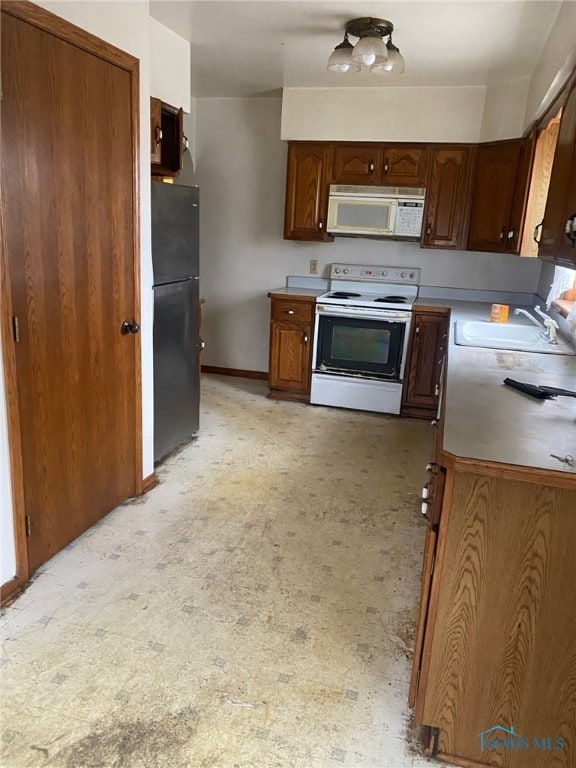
499	313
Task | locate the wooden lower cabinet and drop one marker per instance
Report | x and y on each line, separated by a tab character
496	645
291	333
426	351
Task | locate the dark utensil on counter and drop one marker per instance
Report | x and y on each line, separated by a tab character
556	391
528	389
540	393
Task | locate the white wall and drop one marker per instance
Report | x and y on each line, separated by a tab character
169	66
449	114
504	108
127	26
558	57
241	171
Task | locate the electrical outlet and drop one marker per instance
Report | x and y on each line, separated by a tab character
313	266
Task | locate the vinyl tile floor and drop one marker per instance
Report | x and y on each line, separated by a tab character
256	609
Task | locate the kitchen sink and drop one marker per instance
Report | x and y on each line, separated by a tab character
521	338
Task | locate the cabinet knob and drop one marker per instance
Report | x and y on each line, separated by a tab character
429	229
425	493
158	134
289	311
510	234
417	330
320	225
386	167
424	508
503	234
184	142
305	338
371	166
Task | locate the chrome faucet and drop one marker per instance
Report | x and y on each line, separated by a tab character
549	325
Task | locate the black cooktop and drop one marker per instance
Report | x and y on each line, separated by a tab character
343	295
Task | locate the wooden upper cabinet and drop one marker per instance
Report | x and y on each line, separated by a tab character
405	164
356	164
558	231
167	139
498	196
385	164
307	191
155	130
447	197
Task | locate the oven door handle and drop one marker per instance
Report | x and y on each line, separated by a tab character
395	317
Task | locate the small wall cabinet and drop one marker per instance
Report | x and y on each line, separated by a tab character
307	191
384	164
291	335
167	140
426	351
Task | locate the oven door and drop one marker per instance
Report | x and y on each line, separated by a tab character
351	342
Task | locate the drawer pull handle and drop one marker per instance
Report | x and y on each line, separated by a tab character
305	338
536	233
289	311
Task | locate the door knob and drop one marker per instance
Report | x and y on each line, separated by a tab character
130	327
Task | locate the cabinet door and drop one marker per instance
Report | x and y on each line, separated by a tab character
170	160
290	358
558	237
356	164
307	191
155	130
447	198
498	194
405	164
422	380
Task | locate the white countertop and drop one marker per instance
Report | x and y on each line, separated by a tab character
486	420
314	292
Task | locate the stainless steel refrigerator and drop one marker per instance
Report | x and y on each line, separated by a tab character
175	246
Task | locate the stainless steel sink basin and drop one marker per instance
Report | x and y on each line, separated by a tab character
521	338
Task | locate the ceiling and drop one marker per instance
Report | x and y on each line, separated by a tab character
256	47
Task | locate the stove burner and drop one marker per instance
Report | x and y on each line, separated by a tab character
392	299
343	295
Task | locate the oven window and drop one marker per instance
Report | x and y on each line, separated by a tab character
360	346
363	345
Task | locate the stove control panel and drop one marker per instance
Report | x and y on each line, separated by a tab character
406	275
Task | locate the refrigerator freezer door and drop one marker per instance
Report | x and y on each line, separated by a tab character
175	225
176	365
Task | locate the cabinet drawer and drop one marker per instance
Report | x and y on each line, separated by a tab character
298	311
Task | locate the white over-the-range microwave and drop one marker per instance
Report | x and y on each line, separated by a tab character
394	212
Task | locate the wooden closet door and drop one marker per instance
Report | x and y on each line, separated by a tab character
67	174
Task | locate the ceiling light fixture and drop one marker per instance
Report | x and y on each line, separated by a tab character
370	51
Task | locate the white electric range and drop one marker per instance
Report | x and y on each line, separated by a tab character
361	336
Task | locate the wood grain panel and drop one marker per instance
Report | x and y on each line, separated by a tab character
540	181
496	190
561	201
405	165
307	191
290	358
356	164
504	637
447	198
68	118
423	367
